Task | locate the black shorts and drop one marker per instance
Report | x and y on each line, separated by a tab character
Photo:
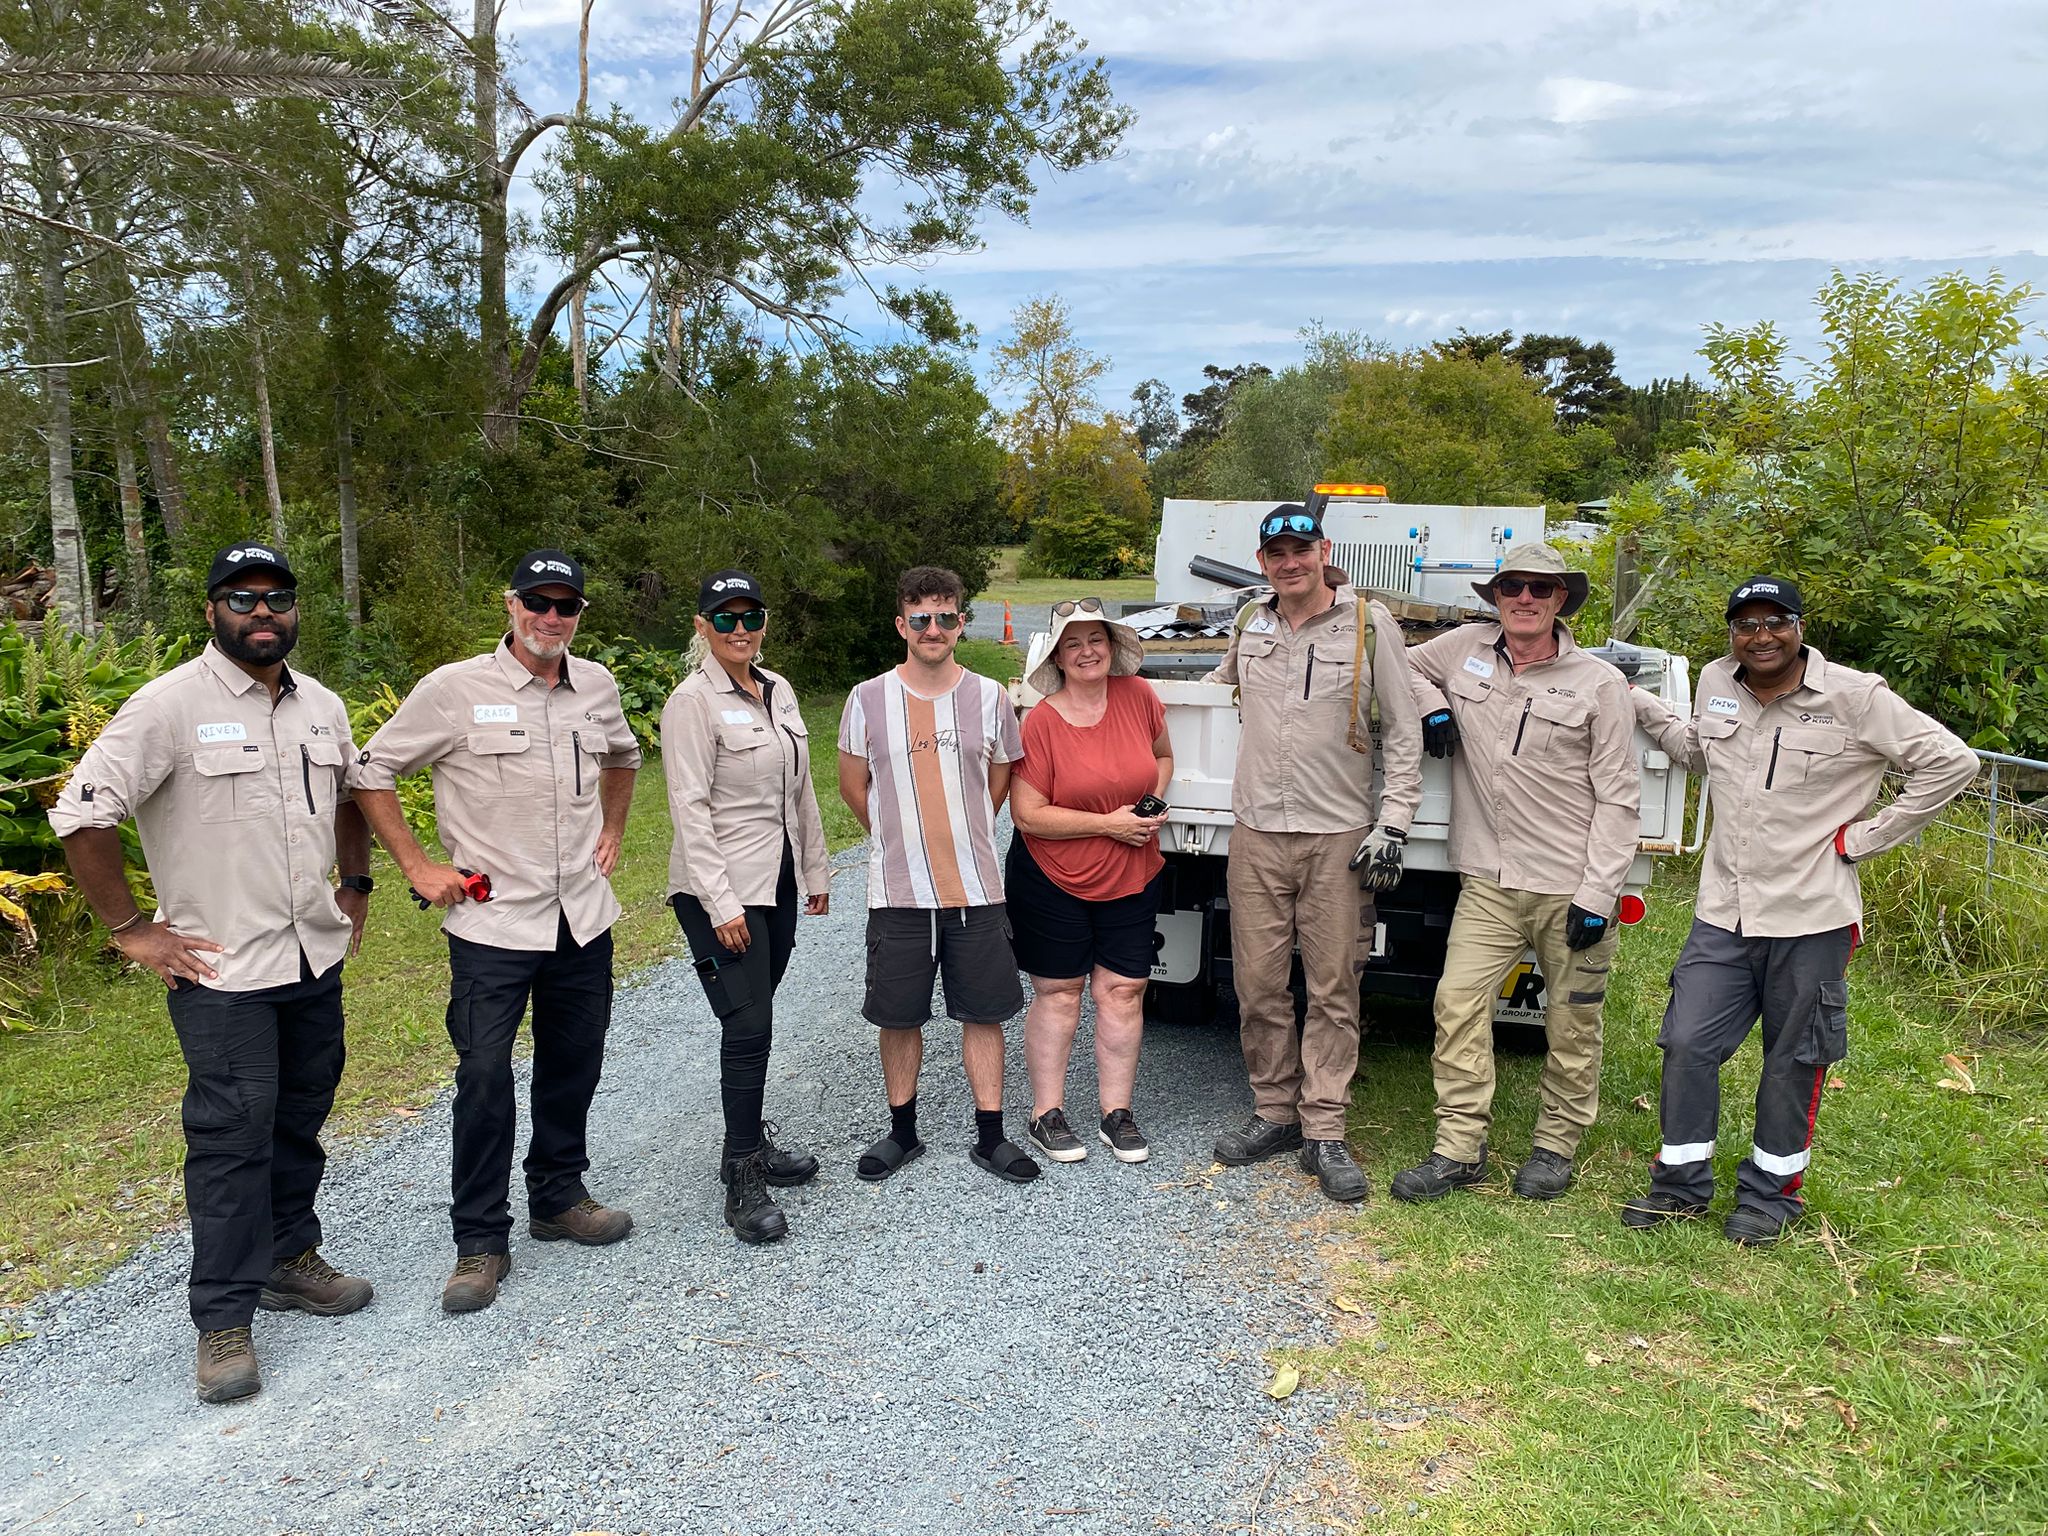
911	947
1059	935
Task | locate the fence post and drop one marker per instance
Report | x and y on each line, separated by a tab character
1991	834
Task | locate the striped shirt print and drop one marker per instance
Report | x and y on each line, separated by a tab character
933	842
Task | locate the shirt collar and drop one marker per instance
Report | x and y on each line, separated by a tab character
238	681
721	680
515	671
1566	643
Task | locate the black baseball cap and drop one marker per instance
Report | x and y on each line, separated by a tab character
237	560
1290	520
721	587
1767	589
547	568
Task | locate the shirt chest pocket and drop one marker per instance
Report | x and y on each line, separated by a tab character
1723	742
320	770
1807	754
1468	695
1556	724
237	783
503	762
1327	668
741	753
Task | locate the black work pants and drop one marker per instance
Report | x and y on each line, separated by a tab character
571	989
261	1068
1723	983
741	990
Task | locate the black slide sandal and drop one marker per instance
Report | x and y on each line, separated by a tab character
891	1154
1006	1161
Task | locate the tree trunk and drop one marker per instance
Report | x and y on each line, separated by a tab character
163	465
579	343
345	501
132	535
494	317
260	380
71	605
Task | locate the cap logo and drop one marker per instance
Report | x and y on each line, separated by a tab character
251	552
1762	586
739	582
552	565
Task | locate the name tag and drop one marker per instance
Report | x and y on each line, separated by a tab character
493	714
736	716
1477	667
1720	706
223	730
1262	625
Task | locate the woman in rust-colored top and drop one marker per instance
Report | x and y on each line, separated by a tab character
1084	868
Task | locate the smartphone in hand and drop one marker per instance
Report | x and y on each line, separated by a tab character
1150	806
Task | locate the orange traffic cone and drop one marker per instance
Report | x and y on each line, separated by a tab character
1009	634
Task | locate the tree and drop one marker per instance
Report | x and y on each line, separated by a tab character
1205	407
1579	378
1093	516
1155	422
1273	438
1901	479
1443	429
1055	374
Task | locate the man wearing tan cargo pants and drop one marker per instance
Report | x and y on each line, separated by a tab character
1309	679
1545	814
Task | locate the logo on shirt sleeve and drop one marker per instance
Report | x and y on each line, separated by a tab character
221	730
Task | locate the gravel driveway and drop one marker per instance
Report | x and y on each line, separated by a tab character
938	1353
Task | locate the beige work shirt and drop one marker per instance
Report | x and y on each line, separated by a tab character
739	789
1546	789
235	800
1784	776
1296	771
517	765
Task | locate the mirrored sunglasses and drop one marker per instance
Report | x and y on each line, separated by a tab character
283	600
920	622
726	620
1299	524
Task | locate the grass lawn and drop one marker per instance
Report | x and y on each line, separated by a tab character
1005	584
1516	1368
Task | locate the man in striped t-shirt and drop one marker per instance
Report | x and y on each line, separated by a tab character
924	762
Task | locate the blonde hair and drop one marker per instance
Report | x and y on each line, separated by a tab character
700	647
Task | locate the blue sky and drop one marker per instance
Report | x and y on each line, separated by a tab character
1623	170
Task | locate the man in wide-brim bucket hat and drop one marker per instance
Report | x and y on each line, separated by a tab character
1127	654
1538	560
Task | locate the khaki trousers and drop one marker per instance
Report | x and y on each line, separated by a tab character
1289	888
1490	932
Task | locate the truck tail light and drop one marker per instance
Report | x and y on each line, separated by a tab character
1632	909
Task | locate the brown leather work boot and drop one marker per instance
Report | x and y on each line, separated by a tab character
309	1283
474	1285
584	1222
227	1366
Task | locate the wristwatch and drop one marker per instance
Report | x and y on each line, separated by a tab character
361	883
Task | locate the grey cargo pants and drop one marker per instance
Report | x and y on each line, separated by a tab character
1723	982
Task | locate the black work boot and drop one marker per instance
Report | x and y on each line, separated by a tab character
1436	1176
1335	1169
1545	1176
785	1167
750	1211
1753	1228
1255	1141
309	1283
1658	1207
227	1366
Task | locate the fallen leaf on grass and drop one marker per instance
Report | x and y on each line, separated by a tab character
1846	1414
1835	1084
1594	1358
1642	1102
409	1114
1284	1381
1962	1082
1345	1304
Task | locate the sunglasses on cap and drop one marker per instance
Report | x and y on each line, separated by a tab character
1770	624
282	600
726	620
1515	586
920	622
1077	605
567	607
1298	523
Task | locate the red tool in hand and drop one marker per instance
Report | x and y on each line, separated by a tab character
475	885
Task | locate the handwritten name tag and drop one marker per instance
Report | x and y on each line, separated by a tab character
1477	667
493	714
1721	706
1260	626
737	716
223	730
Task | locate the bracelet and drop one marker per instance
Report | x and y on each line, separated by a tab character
132	921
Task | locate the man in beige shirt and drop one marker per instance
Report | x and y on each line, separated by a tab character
1545	813
1309	815
231	767
533	774
1794	747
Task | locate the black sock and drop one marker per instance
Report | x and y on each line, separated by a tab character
988	1130
903	1123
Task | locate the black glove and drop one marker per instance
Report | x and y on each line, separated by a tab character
1583	929
1440	733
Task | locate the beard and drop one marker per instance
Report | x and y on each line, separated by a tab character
546	650
228	630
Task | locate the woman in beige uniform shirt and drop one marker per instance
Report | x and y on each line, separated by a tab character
748	834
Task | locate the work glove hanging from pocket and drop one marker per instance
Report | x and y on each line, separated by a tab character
1379	858
1583	929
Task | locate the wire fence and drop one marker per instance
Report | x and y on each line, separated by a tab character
2014	828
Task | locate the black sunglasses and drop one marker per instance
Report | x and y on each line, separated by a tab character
1297	523
726	620
567	607
1515	586
920	622
282	600
1081	605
